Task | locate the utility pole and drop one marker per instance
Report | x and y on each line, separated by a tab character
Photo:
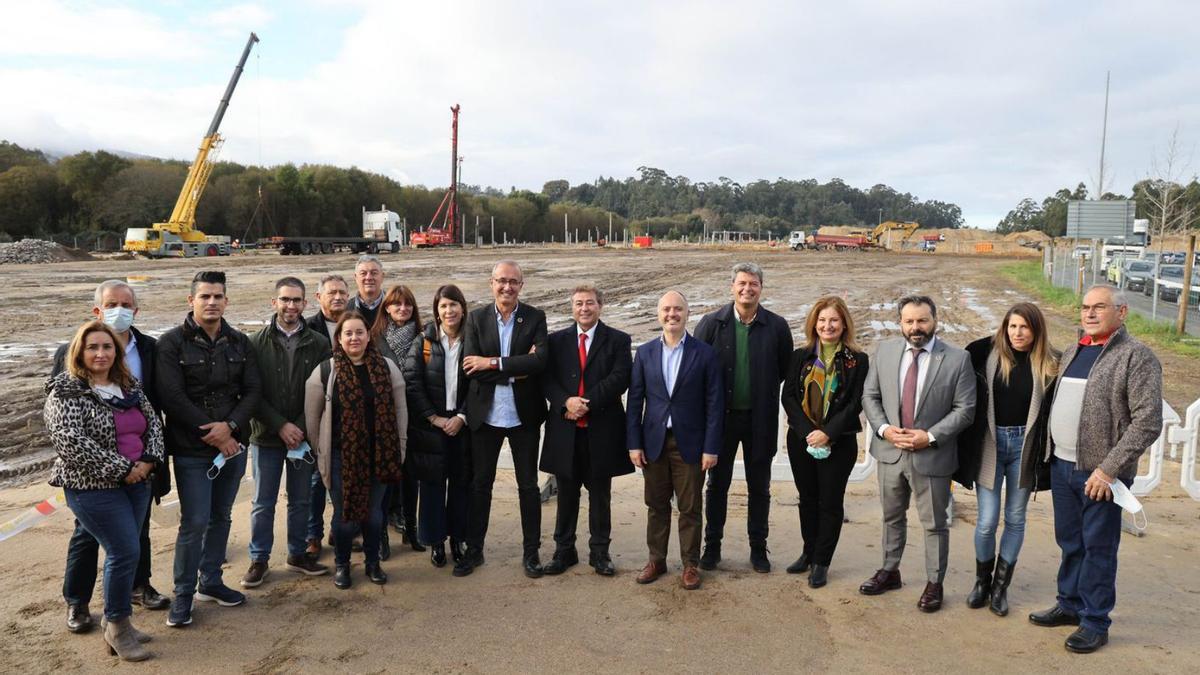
1103	136
566	232
476	230
493	231
610	227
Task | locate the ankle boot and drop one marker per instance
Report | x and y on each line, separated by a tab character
137	634
1004	572
414	541
118	635
981	592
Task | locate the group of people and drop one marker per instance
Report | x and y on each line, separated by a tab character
394	419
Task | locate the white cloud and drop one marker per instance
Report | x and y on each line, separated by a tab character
55	28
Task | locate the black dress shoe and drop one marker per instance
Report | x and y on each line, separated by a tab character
1055	616
711	556
819	576
471	559
413	540
532	566
882	582
759	560
79	618
437	554
457	548
375	573
341	577
1085	640
149	598
560	562
800	566
931	598
603	564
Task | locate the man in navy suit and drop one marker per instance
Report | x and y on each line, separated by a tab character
673	429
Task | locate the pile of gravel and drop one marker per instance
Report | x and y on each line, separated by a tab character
35	251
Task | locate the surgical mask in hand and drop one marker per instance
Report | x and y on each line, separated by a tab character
219	462
818	453
1124	498
301	453
118	318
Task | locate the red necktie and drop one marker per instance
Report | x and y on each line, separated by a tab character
582	421
908	398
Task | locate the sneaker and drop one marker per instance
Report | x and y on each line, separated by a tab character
305	565
181	611
149	598
222	595
257	574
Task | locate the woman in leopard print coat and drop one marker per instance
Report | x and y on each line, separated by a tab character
109	441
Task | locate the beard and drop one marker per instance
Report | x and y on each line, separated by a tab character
918	338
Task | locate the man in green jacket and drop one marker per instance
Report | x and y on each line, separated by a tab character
287	351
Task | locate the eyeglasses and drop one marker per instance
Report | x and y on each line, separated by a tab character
290	301
507	282
1098	308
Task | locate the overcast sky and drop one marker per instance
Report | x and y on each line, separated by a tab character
977	103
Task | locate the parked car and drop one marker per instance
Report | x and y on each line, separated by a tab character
1174	273
1131	275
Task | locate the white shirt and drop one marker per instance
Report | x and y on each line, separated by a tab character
672	357
922	371
450	369
591	333
133	360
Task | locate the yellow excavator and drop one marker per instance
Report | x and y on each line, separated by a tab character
882	234
178	236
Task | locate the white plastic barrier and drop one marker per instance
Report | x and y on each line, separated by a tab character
1189	436
1144	483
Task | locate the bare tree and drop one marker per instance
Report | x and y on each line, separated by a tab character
1163	190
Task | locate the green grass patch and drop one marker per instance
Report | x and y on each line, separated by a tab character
1159	334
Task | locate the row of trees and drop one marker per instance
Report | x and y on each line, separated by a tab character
101	192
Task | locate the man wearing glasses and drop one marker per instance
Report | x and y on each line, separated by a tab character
1107	410
286	350
505	352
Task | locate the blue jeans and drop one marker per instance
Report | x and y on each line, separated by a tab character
268	465
445	503
114	517
1008	470
204	508
343	532
316	507
1088	532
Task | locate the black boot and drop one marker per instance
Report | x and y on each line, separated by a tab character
982	591
410	526
385	546
1004	572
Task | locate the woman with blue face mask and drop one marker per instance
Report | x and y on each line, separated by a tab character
109	443
822	395
1005	447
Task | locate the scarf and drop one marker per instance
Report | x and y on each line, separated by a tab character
364	462
820	384
400	338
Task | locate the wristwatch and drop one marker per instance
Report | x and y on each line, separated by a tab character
494	363
233	426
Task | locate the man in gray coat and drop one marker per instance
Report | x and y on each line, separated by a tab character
919	395
1107	410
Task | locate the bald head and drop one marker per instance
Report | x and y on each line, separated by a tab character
673	313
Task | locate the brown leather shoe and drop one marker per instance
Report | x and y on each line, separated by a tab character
691	578
313	550
931	599
652	571
882	582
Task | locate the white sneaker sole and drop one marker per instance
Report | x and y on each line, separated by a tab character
256	584
311	573
224	603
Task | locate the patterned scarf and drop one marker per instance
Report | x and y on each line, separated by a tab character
819	385
359	467
400	338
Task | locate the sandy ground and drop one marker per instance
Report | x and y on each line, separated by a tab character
497	620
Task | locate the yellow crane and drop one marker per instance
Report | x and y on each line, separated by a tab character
178	236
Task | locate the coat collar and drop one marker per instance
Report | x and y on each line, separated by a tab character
727	314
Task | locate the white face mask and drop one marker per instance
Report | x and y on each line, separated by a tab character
1124	498
118	318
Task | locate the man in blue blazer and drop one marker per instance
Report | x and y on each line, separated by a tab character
673	429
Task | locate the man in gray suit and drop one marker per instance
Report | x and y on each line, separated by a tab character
919	395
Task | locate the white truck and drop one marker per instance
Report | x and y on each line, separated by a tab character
798	240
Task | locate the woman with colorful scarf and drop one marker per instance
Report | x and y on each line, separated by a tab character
109	442
395	329
822	395
356	404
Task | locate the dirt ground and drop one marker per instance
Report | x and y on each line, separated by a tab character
497	620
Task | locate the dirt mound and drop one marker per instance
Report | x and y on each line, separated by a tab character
1027	235
35	251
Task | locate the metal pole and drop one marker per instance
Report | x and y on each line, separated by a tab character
476	230
566	232
1185	293
1103	136
610	226
493	231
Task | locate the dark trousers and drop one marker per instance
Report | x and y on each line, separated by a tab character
445	503
1088	532
400	500
205	505
670	476
343	530
738	430
822	487
599	501
114	517
316	507
83	555
485	452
